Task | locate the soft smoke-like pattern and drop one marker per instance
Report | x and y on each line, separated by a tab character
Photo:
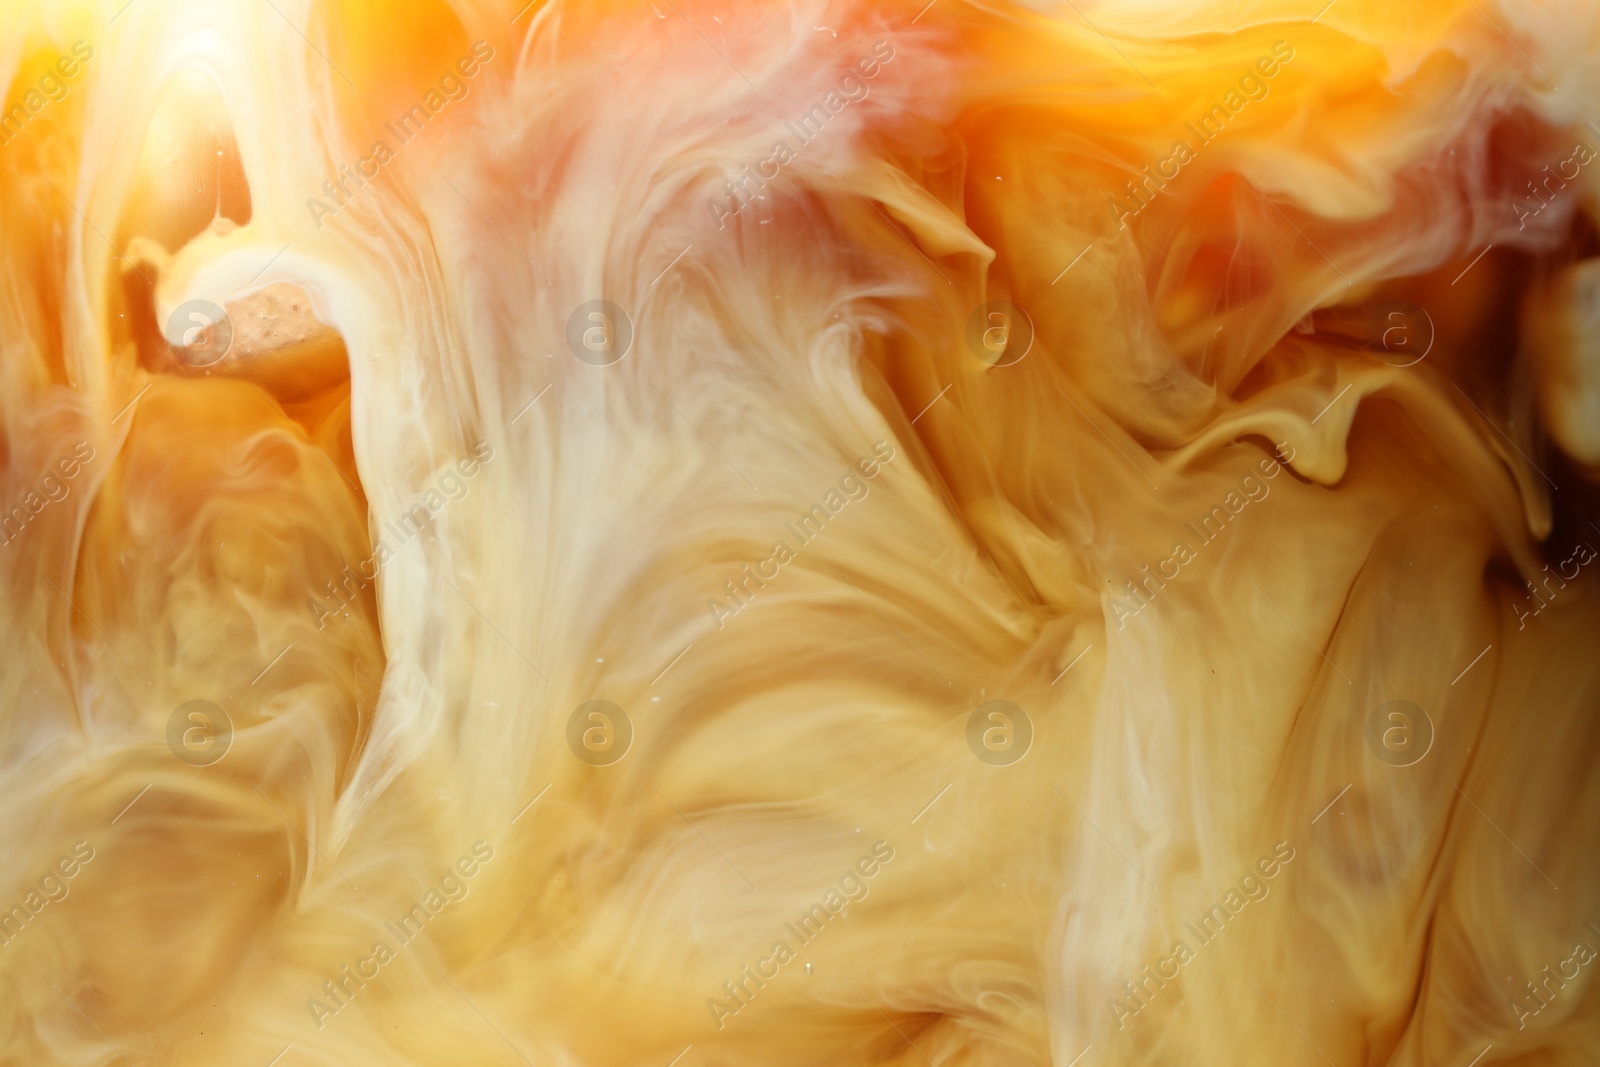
1078	517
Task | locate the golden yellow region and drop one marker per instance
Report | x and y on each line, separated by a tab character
674	533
